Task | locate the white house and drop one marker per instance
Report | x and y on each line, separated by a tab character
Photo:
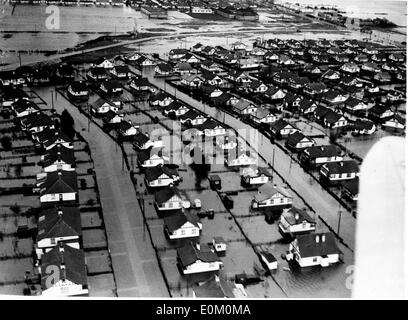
126	128
58	158
193	118
78	89
212	128
161	176
240	158
319	155
69	264
141	141
335	172
263	115
101	106
182	225
161	99
58	225
244	106
255	176
152	157
175	107
363	127
295	221
318	249
396	122
168	198
270	195
283	128
197	259
228	142
58	186
23	107
104	63
350	67
298	141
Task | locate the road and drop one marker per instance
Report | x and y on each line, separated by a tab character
135	266
318	198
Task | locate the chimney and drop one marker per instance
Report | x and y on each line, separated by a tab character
217	278
323	237
317	238
59	173
297	216
341	163
59	212
198	246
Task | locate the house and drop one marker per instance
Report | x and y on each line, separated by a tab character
11	95
298	82
36	122
10	79
263	115
320	112
161	176
126	128
244	106
350	190
396	122
50	138
192	118
197	47
192	81
307	106
240	158
141	142
350	67
163	69
248	63
354	105
176	107
177	54
211	91
133	56
152	157
144	62
269	260
103	63
382	77
208	50
238	76
397	57
228	142
335	172
271	56
314	88
296	221
183	68
380	113
142	84
219	245
196	258
363	127
282	128
168	198
182	225
190	58
216	287
78	89
23	107
318	155
58	186
272	196
297	141
258	176
291	100
212	128
69	265
161	99
101	106
285	60
111	117
208	65
58	158
237	46
274	93
257	86
331	75
315	249
121	72
58	225
97	74
370	67
111	87
334	120
334	97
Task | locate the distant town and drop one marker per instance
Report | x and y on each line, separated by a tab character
210	171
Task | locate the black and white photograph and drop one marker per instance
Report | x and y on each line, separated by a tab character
203	150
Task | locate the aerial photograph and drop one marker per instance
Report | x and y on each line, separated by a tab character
203	149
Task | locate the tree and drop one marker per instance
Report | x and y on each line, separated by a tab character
67	124
6	143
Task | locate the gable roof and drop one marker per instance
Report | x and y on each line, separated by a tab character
323	151
268	190
295	216
59	153
346	166
308	247
166	194
153	173
59	182
179	219
190	254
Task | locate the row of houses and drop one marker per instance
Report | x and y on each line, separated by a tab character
60	260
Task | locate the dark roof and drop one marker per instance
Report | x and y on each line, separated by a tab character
190	254
346	166
280	124
308	247
178	219
36	120
111	84
165	194
59	182
152	173
363	124
141	82
323	151
160	96
268	256
296	216
215	288
78	86
321	111
23	104
121	69
295	138
351	186
332	117
59	222
190	114
12	94
59	153
140	139
72	259
165	67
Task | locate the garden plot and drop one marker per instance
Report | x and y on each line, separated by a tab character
82	156
16	183
258	231
91	219
94	239
209	199
98	262
222	225
83	167
12	247
101	285
87	196
139	119
89	181
21	200
14	270
79	145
